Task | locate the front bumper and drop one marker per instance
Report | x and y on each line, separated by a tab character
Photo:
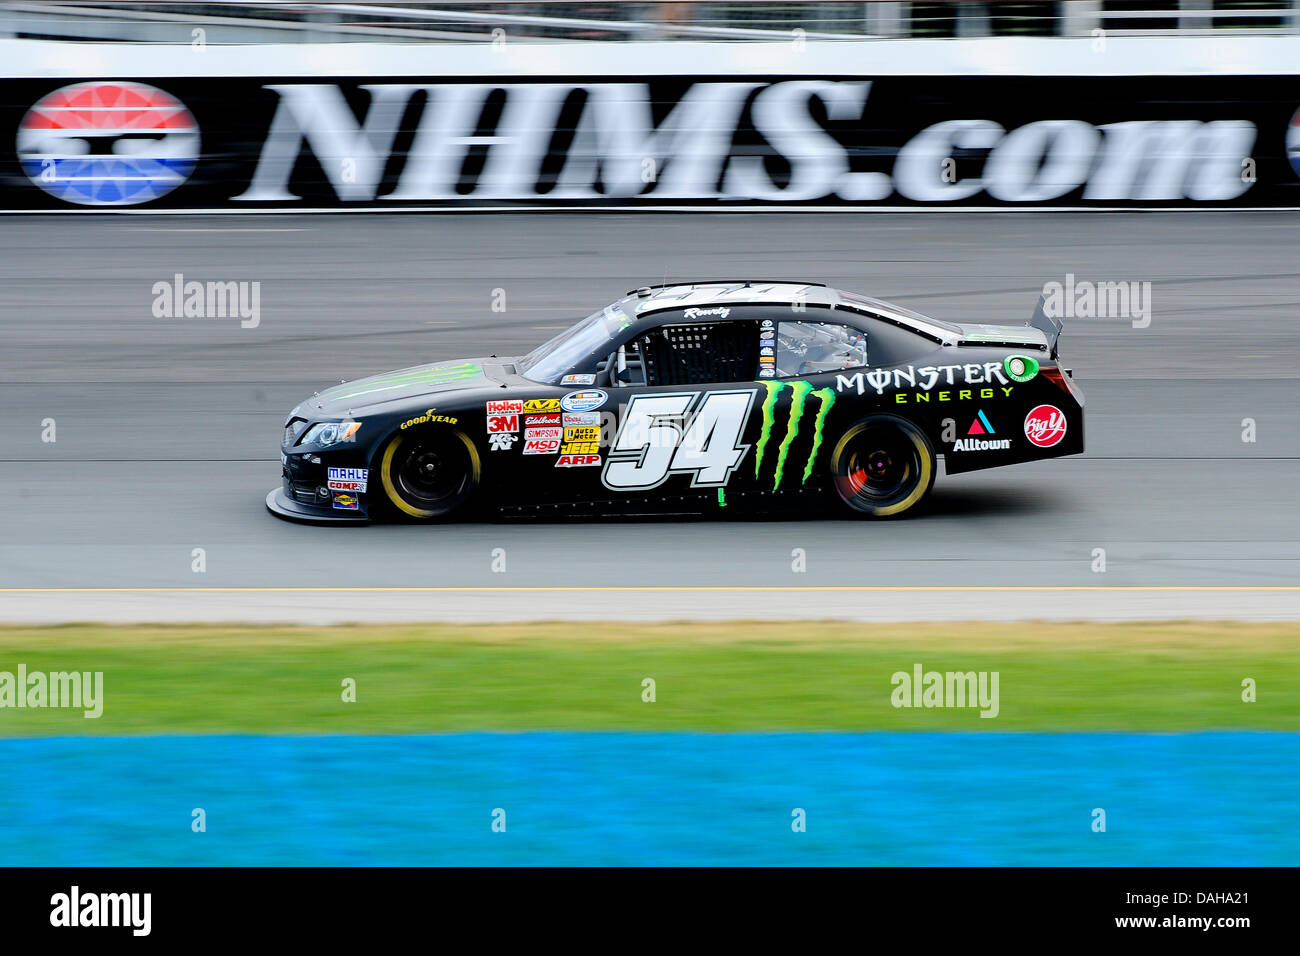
282	506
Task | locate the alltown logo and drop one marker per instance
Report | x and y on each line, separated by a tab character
1098	300
800	392
923	688
75	908
179	299
981	426
83	690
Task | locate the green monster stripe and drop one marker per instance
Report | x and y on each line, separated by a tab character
440	378
800	391
769	410
421	375
797	398
827	398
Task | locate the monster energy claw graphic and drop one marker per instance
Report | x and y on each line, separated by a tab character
799	393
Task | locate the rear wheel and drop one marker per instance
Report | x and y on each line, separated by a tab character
429	473
883	466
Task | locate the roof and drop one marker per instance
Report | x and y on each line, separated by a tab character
651	299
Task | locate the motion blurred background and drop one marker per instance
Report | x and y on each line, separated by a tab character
387	174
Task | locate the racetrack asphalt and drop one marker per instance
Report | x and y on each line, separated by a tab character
167	429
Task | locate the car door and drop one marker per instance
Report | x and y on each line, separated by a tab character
685	394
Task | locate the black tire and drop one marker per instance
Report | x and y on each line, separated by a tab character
428	473
883	466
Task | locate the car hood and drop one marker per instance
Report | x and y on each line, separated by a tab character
350	398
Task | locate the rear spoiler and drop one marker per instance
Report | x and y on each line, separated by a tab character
1049	326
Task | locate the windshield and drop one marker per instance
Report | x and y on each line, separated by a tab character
550	360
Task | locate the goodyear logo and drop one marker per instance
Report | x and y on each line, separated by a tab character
428	418
800	392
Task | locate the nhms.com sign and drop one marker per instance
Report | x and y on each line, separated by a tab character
251	143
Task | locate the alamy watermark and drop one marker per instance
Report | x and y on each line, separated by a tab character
180	299
1083	299
922	688
82	690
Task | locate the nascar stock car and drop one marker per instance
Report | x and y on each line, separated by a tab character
688	398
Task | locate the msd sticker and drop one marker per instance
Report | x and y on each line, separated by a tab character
542	441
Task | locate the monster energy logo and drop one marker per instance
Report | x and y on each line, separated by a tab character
800	391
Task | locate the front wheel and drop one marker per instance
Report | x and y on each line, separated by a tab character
883	466
429	473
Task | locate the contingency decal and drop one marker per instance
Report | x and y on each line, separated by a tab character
503	417
1045	426
347	479
654	442
800	392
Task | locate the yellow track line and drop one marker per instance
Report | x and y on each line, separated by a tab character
664	587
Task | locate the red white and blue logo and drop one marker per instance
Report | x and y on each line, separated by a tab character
1293	142
108	144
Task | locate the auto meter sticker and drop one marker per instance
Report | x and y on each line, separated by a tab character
1045	426
583	401
108	144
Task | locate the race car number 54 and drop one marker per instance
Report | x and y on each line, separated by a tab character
651	443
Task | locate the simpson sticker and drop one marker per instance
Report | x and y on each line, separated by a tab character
542	441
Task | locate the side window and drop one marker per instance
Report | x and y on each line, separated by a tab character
805	348
699	353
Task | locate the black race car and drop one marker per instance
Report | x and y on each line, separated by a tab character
689	398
